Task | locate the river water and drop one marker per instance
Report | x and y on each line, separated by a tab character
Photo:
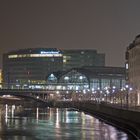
55	124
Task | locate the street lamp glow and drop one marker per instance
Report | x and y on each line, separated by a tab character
113	87
92	89
81	77
101	91
130	89
103	99
66	78
84	91
107	91
126	86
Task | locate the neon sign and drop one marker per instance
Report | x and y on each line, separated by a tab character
49	52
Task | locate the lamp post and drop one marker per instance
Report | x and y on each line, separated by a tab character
121	95
127	96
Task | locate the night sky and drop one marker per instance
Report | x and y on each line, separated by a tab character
106	25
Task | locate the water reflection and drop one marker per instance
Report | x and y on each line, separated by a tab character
54	124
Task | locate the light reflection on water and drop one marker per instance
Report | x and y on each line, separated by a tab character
55	124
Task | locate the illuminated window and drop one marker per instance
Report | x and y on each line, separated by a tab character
66	78
64	60
35	55
126	66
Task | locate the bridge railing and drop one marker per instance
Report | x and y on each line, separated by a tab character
119	99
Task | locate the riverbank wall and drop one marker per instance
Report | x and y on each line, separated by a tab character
126	119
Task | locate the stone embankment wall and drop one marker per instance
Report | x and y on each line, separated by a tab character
126	119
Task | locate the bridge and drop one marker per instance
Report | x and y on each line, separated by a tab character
114	112
37	95
119	99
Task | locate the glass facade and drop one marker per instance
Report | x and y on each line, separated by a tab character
29	67
80	58
83	79
74	80
105	83
95	83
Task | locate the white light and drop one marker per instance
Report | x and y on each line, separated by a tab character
103	99
37	114
37	97
77	87
13	108
113	87
122	89
130	89
81	77
84	91
51	75
6	113
66	78
126	66
107	92
8	96
59	87
126	86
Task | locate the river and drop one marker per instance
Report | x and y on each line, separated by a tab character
55	124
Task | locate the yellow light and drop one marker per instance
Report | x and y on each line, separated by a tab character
64	60
34	55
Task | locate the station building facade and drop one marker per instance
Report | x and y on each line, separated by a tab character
90	78
30	66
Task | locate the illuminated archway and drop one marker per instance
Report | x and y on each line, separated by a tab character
74	80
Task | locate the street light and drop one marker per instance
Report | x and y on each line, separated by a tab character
127	101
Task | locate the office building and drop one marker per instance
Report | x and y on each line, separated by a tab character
26	67
80	58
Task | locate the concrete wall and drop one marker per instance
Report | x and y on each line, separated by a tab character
126	119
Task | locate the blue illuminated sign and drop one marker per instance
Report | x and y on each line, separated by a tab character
49	52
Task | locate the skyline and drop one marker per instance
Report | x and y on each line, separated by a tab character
109	27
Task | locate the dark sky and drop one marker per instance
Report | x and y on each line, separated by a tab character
106	25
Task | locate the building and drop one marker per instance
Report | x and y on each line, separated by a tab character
133	66
80	58
29	67
92	78
0	78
